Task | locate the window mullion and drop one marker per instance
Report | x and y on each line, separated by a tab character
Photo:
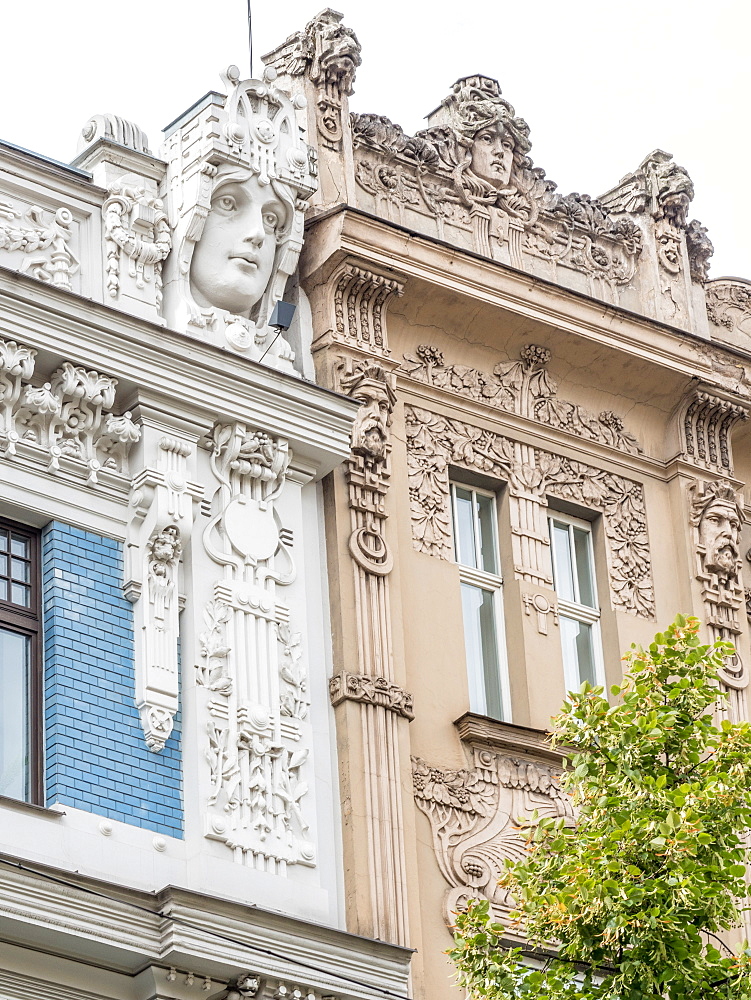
574	564
476	529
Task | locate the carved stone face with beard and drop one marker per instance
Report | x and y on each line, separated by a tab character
340	55
719	534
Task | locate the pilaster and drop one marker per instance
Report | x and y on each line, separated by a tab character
352	356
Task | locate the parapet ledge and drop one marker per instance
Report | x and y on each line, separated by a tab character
479	730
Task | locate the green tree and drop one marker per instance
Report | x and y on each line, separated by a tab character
635	898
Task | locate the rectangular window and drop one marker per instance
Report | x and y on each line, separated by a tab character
20	664
578	608
476	551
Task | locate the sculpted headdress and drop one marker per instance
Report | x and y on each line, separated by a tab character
251	133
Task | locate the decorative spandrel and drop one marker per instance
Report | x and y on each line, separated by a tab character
240	176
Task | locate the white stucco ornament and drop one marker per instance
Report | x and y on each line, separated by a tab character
251	528
240	176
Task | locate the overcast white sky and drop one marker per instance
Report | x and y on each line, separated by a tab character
600	83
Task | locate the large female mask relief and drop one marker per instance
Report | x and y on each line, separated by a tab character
477	134
242	189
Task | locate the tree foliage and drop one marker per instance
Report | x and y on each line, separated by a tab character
633	899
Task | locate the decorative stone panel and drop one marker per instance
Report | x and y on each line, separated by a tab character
434	442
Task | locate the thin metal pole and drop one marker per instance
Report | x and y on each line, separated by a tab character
250	38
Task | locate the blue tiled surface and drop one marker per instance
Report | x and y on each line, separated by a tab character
96	757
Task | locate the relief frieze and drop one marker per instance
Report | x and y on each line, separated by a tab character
524	387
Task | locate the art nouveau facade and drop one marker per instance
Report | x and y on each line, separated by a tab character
169	807
547	465
284	613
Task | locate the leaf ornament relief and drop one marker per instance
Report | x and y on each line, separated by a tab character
434	443
525	387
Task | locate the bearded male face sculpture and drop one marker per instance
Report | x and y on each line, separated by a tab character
718	516
719	534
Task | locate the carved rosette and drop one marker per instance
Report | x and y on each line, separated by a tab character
66	423
474	819
252	680
434	442
161	513
717	516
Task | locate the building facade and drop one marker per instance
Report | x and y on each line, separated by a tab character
286	607
547	465
169	807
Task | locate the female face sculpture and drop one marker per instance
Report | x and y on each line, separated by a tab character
233	262
492	155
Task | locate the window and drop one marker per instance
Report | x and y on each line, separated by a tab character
20	664
476	551
578	608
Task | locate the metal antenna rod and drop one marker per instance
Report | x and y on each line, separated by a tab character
250	38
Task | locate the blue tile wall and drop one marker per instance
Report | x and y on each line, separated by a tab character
96	757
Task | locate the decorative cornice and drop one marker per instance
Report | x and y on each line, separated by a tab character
192	931
371	691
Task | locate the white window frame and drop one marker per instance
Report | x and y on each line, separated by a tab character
493	582
573	609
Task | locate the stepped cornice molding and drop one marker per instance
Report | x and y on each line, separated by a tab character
108	928
177	372
383	245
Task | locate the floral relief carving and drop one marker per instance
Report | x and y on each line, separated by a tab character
370	690
43	239
251	680
524	387
434	442
729	304
66	422
474	816
294	700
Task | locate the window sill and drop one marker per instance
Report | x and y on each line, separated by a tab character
56	812
494	735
